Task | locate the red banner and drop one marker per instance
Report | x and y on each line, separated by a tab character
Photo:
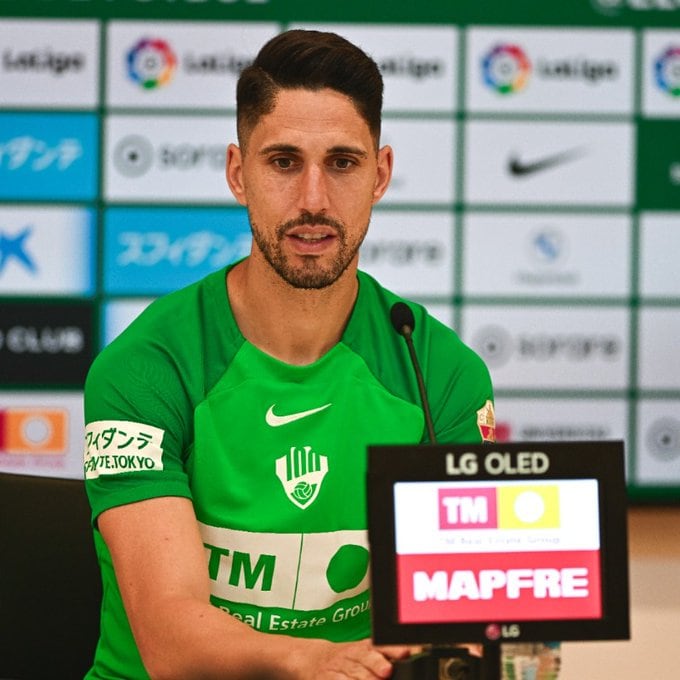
517	586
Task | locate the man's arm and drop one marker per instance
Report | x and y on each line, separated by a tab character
161	568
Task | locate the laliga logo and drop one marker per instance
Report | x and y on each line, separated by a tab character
667	71
506	69
151	63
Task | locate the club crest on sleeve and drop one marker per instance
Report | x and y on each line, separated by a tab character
486	422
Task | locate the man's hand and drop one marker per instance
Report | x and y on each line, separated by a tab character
161	567
361	660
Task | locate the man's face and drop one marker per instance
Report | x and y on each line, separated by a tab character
309	175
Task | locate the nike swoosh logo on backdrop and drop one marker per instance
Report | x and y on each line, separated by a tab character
520	168
276	421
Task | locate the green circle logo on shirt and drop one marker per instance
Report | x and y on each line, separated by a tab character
347	568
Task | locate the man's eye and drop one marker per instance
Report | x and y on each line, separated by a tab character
283	163
343	163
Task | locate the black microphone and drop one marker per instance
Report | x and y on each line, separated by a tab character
404	322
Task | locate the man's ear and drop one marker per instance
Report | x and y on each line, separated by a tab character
234	172
384	172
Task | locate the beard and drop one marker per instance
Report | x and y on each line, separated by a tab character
312	274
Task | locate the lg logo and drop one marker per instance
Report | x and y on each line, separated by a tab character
508	631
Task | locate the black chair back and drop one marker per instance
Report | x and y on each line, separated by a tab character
50	587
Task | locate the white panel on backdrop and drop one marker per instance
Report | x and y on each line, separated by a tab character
539	419
658	348
555	419
661	73
418	63
168	158
410	252
546	254
118	315
424	161
659	252
49	63
542	163
180	64
43	433
658	445
542	347
550	70
441	312
46	251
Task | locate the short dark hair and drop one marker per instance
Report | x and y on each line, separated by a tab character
311	60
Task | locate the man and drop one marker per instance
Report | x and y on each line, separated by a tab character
227	427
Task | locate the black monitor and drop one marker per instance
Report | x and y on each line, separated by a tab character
498	543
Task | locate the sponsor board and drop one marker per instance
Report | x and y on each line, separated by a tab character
41	433
417	145
658	442
561	419
118	315
418	63
46	251
49	63
659	245
410	253
179	64
46	344
550	70
659	330
152	251
543	163
534	419
543	347
168	158
503	550
544	254
661	73
48	156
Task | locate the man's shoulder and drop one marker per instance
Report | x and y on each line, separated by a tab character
173	315
377	299
169	335
436	343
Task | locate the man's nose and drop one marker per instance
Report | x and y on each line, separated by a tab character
313	190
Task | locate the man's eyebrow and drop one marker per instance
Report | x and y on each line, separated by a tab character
354	150
279	148
291	148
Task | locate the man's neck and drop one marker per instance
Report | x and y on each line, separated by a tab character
297	326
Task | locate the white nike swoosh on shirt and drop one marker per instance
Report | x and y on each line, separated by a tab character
276	421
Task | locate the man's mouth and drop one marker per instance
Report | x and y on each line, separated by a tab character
311	237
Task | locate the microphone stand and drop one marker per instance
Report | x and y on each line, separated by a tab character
450	663
439	662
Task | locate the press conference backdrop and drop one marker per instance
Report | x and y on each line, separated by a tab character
535	205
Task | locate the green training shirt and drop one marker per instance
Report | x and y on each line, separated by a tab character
273	456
